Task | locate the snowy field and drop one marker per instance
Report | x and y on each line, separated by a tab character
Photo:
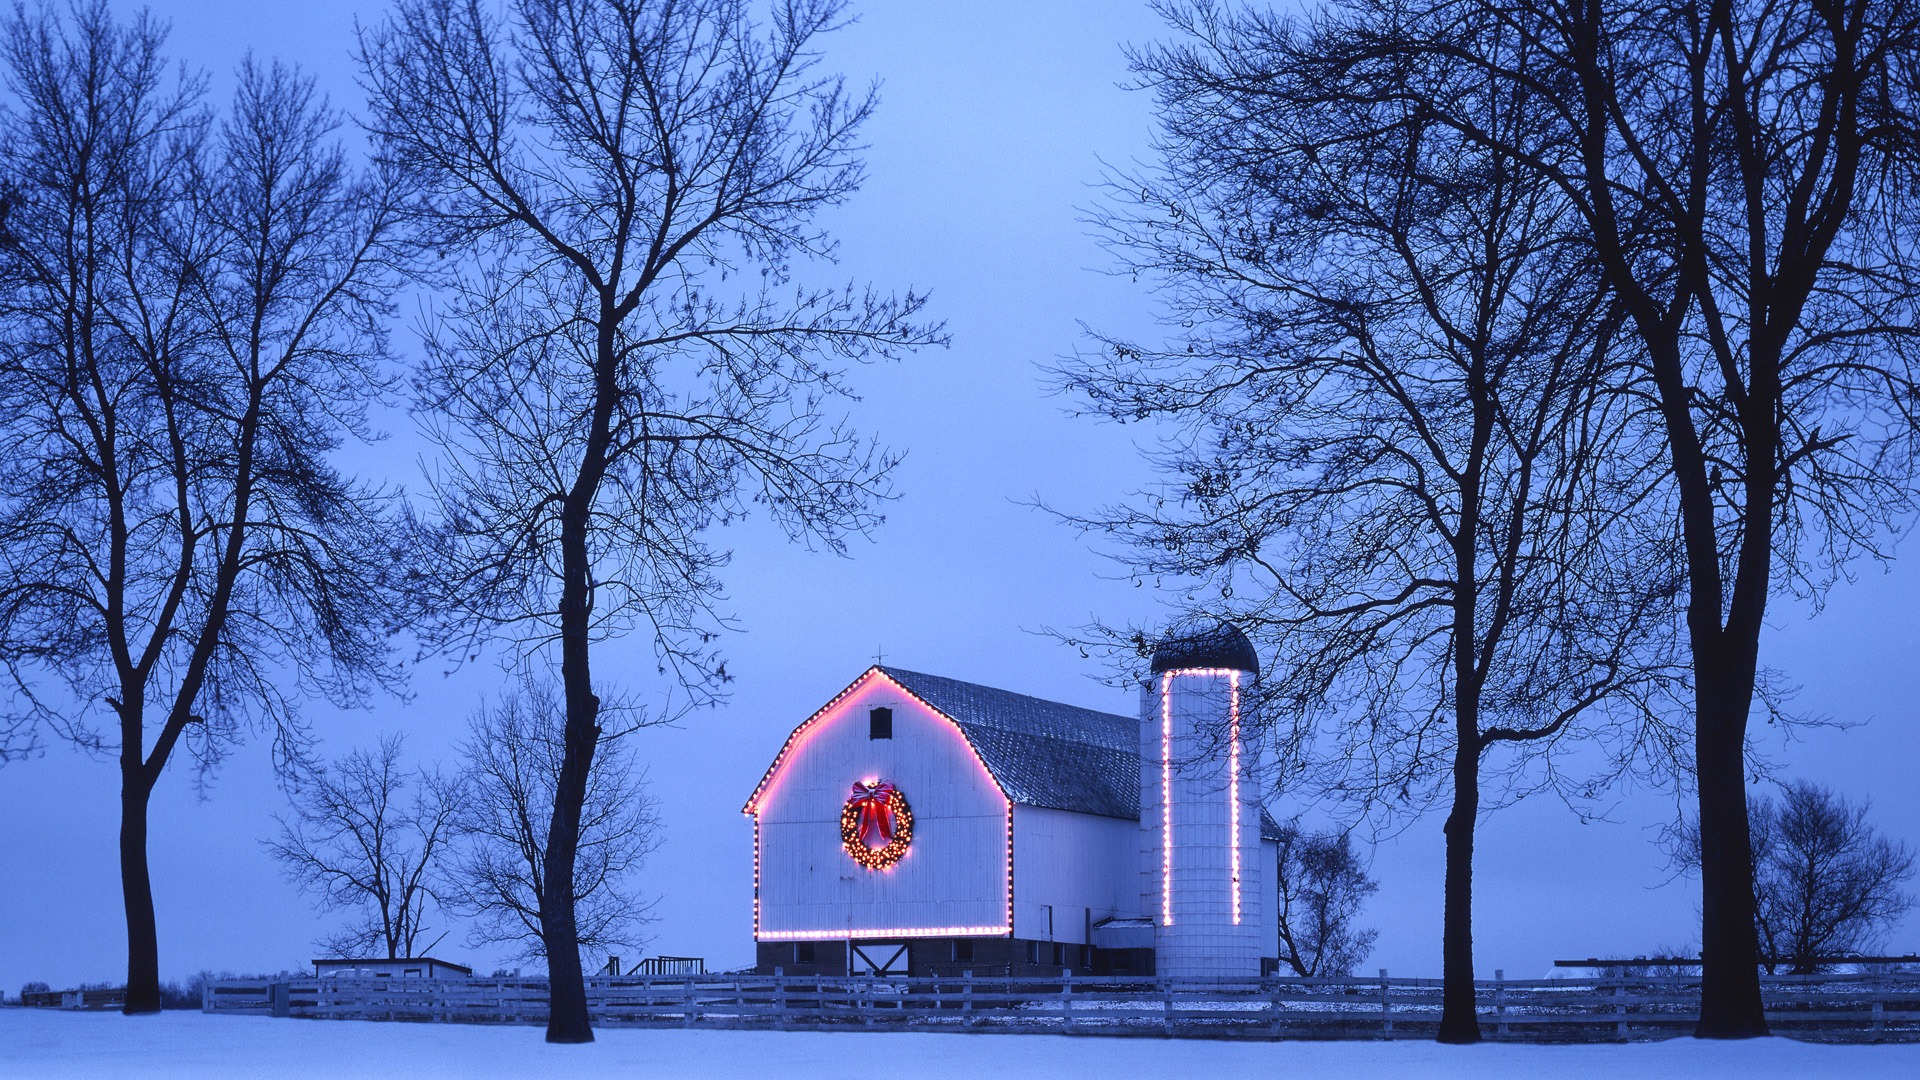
36	1044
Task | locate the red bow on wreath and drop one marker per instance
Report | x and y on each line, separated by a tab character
874	803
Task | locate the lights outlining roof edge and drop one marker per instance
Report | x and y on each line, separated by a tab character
798	736
753	800
810	723
848	934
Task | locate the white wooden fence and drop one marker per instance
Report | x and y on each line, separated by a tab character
1870	1006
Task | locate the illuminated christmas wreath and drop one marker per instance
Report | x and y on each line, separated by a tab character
876	825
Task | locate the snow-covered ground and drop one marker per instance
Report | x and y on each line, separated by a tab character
37	1044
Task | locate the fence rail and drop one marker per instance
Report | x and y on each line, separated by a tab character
108	998
1872	1006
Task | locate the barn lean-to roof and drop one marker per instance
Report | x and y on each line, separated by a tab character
1042	753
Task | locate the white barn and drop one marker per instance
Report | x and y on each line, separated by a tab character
921	824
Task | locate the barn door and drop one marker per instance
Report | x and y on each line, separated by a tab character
878	958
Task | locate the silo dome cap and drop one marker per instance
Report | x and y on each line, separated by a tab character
1205	643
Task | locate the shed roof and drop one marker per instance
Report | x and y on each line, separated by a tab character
381	961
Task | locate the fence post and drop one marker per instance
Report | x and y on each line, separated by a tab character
966	1001
1066	998
693	1009
1273	1009
1620	1008
1500	999
1386	1006
1167	989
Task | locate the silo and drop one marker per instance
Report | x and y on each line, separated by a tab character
1203	880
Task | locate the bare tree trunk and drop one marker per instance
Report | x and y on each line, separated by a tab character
136	889
1726	661
1725	643
567	1019
1730	1002
1459	1020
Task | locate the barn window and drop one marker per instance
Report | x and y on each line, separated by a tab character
803	952
963	952
880	723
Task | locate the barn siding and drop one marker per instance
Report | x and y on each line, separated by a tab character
1078	866
953	874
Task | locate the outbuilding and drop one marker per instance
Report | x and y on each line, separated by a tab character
411	967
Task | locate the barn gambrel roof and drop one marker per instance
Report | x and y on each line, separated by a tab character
1041	753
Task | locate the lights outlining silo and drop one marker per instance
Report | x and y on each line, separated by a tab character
1206	821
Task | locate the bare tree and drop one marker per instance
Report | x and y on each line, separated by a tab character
1746	174
1826	883
1391	461
1322	885
367	836
191	323
627	361
515	751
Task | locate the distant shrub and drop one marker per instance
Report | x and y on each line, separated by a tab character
197	983
175	995
1631	970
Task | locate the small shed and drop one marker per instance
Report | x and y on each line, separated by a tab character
412	967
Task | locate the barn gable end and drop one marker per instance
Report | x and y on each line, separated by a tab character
952	880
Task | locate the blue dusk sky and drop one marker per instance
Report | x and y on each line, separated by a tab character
994	122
